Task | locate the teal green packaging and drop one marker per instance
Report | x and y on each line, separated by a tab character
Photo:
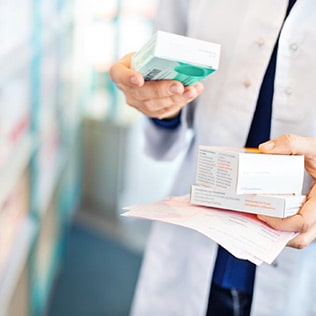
176	57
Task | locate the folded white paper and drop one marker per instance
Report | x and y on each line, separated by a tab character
241	234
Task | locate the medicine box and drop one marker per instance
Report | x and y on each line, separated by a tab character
271	205
240	171
176	57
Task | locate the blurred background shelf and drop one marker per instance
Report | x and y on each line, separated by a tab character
37	89
14	278
71	156
16	160
10	66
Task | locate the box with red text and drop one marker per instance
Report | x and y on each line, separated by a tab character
271	205
242	171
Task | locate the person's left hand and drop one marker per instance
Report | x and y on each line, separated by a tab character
304	222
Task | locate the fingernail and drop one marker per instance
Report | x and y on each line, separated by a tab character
188	95
199	88
134	80
175	89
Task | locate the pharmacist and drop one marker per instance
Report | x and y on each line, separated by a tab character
264	88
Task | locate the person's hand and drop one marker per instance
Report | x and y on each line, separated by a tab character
304	222
160	99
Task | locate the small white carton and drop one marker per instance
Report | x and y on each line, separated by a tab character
176	57
271	205
242	171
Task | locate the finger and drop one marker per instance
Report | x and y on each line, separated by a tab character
188	95
164	88
302	222
294	144
169	105
160	108
308	233
290	144
156	96
302	240
191	92
291	224
121	73
152	90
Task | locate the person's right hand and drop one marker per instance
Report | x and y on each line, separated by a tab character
157	99
304	222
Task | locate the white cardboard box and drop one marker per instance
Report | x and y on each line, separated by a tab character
271	205
239	171
176	57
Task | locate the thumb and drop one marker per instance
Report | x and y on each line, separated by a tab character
122	74
290	144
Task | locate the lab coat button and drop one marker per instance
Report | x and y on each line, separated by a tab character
288	91
247	83
260	41
294	47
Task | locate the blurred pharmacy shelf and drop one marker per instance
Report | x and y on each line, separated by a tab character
16	261
8	65
40	150
55	93
17	160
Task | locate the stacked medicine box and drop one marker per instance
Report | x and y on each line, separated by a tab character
247	181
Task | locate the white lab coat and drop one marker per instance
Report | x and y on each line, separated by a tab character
178	262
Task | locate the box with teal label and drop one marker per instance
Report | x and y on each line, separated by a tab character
176	57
